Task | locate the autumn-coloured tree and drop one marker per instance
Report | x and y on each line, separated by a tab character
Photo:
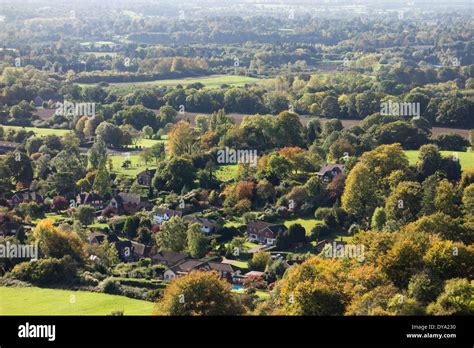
198	293
55	243
182	139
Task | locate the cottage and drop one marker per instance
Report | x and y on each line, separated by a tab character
8	227
264	232
162	214
330	171
96	238
145	178
126	203
92	199
7	146
226	271
140	251
168	258
26	196
207	226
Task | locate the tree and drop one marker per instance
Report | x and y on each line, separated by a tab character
130	226
456	299
85	214
172	236
182	139
198	293
448	259
59	203
147	131
468	200
429	160
260	260
167	115
157	151
55	243
175	174
98	153
360	196
312	288
329	107
404	203
423	288
197	241
102	183
288	129
378	219
402	261
110	134
447	199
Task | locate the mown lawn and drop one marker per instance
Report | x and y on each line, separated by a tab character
38	301
466	158
39	131
227	172
136	166
307	223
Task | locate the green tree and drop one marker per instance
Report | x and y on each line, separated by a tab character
379	218
102	183
85	214
447	199
468	200
260	260
404	203
172	236
456	299
360	196
197	242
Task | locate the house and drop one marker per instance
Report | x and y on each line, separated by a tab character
96	238
93	199
144	178
8	227
7	146
207	226
168	258
264	232
163	214
140	251
226	271
329	171
26	196
126	203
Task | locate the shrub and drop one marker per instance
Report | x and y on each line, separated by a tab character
110	286
47	271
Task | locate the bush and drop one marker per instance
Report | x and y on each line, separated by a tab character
47	271
320	232
451	142
110	286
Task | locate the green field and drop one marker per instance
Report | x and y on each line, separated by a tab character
465	158
227	172
39	131
37	301
307	223
136	167
214	81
